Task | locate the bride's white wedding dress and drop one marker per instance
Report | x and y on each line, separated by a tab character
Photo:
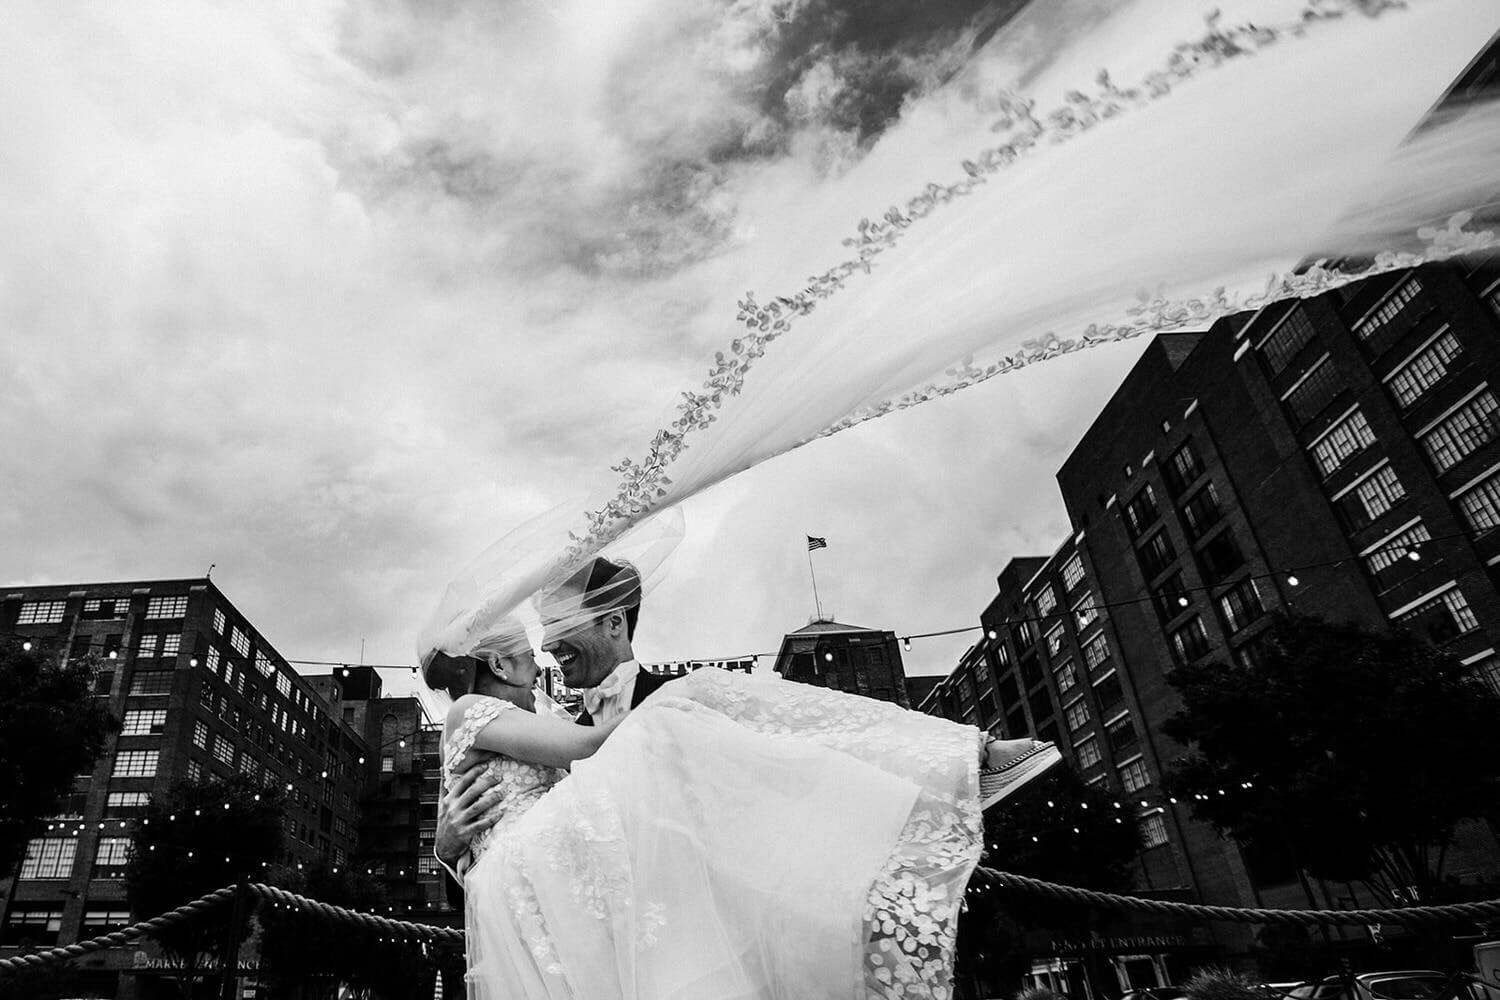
736	837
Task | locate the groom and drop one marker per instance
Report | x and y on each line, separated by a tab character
589	621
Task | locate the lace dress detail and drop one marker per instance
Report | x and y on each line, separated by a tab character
736	836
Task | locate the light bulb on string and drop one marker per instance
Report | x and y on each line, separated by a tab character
1413	554
828	657
993	635
1292	580
26	645
906	643
1182	601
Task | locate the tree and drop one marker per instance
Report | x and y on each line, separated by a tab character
50	730
308	957
200	837
1352	753
1059	830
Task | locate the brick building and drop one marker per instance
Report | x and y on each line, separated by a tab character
402	782
1337	456
201	694
847	658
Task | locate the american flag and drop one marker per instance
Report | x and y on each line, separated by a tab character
816	543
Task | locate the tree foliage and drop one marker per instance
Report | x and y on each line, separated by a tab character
50	730
1353	753
1057	829
198	838
307	957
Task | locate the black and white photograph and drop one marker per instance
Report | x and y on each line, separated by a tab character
750	500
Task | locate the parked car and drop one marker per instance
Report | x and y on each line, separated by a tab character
1412	984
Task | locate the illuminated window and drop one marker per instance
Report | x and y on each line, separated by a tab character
1134	776
1462	432
149	722
41	612
1425	370
1088	752
1345	439
49	857
135	764
1153	830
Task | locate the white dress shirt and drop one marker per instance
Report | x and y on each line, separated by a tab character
611	698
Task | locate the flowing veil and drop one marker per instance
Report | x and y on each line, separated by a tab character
1219	175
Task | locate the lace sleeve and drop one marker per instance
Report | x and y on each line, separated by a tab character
460	739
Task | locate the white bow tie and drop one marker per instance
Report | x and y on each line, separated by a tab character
610	688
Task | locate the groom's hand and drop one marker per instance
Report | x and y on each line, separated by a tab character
461	813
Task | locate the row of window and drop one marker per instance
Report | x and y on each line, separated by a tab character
52	612
53	857
42	923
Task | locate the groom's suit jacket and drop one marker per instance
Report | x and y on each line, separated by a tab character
645	683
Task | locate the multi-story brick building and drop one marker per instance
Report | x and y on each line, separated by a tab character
847	658
1338	456
201	694
402	782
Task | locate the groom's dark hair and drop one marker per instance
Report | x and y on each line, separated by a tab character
607	586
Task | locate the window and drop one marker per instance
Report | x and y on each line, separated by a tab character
1283	343
151	682
223	750
1171	597
100	609
1190	641
1110	694
263	664
388	765
126	803
1430	366
33	924
211	661
1462	432
171	644
1202	511
1084	613
1141	511
1488	671
239	640
1314	392
1241	605
49	857
1221	557
1394	551
284	686
135	764
1088	752
150	722
1393	305
219	621
1072	571
1096	651
1481	504
1371	497
99	920
1134	776
167	607
1153	830
1076	714
111	857
1345	439
1054	640
1121	735
1441	617
41	612
195	771
1067	676
1046	600
1156	554
1182	468
200	734
145	645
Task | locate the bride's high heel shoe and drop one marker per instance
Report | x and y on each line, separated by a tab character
999	781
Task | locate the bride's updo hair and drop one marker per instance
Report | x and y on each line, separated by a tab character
459	673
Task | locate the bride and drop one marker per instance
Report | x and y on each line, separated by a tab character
734	837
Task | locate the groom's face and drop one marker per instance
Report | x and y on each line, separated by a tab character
585	649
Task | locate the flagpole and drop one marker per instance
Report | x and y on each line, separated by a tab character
816	603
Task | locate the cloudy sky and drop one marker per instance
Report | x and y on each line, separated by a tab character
333	293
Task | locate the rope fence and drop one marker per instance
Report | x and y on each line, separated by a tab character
1407	916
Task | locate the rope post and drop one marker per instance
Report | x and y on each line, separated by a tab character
229	973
